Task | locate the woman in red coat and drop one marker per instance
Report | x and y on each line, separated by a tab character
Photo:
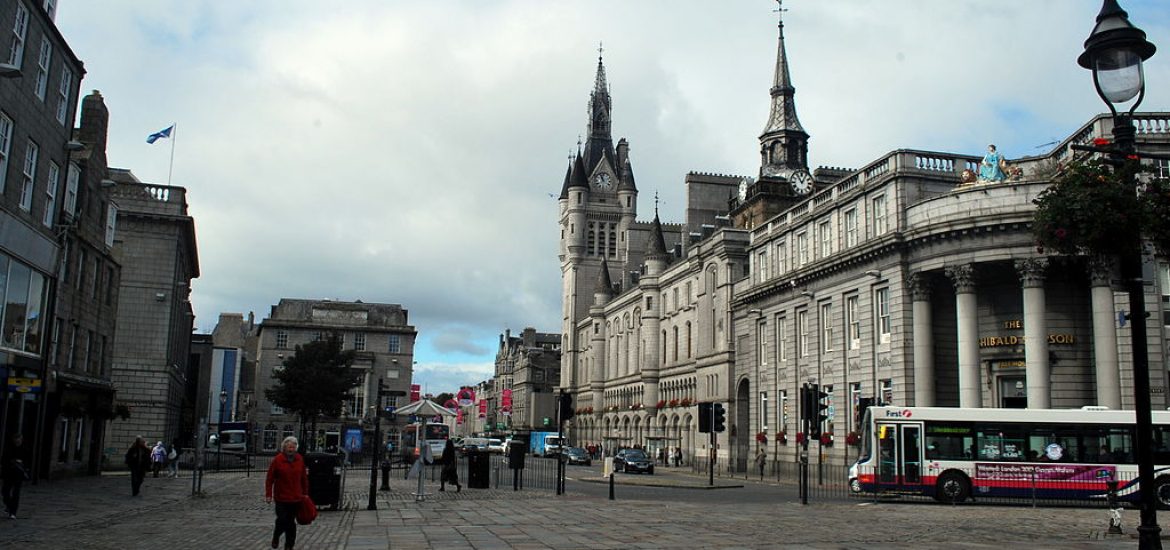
287	483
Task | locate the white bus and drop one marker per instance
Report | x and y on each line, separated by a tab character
952	454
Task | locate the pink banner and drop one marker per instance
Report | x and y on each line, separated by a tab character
459	416
415	390
506	401
483	408
466	396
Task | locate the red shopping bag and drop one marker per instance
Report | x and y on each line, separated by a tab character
307	512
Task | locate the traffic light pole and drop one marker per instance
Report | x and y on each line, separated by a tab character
805	412
377	458
711	454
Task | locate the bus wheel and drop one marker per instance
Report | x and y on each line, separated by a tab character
1162	492
952	487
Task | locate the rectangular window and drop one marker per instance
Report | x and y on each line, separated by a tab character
63	444
762	265
72	179
781	258
762	340
827	327
72	361
886	391
318	336
781	349
19	34
81	261
111	223
5	147
851	228
281	339
882	311
852	323
854	401
879	215
93	277
825	233
110	285
674	294
782	412
29	174
51	184
43	62
690	293
91	359
802	333
395	344
51	8
801	248
359	341
763	411
64	90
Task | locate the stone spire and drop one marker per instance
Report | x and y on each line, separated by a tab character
565	186
656	249
599	144
603	290
784	143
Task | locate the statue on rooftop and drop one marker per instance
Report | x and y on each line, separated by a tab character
991	168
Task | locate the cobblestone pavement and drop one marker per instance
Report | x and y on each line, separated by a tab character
98	513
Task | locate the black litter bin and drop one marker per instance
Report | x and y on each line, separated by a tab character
325	479
478	469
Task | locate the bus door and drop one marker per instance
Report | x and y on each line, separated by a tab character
899	455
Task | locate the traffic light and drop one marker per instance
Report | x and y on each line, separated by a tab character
566	406
705	418
806	404
818	411
719	417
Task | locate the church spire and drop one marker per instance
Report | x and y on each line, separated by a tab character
599	144
784	143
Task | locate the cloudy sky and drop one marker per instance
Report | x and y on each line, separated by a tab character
411	151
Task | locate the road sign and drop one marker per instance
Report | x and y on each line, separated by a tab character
24	385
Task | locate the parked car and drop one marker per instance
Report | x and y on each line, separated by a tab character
577	455
478	444
633	460
496	446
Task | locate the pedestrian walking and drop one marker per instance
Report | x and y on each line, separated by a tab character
450	471
662	456
288	484
158	457
677	457
761	460
138	460
173	460
13	474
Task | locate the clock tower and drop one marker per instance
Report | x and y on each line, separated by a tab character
598	205
784	178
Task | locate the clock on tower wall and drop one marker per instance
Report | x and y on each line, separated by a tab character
603	181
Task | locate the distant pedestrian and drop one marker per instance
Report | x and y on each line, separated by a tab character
14	474
173	459
287	483
158	457
761	460
138	460
662	456
450	471
677	457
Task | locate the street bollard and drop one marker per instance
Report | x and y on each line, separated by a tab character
611	486
385	476
1114	509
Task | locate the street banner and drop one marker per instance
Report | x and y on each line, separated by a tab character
459	416
506	400
415	390
483	408
466	396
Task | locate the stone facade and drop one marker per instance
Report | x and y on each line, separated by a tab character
380	334
39	84
156	247
529	366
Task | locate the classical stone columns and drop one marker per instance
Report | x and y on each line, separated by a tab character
923	340
963	277
1035	332
1104	334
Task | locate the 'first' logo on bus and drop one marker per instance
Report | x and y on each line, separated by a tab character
904	413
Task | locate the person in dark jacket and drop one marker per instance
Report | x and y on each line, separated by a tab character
13	474
138	460
450	471
287	483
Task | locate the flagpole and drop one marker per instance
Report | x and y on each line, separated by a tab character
174	137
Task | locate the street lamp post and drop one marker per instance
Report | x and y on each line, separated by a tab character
219	428
1114	52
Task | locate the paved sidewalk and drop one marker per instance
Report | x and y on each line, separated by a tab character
98	513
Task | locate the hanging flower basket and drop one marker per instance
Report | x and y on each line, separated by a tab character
661	403
1092	207
686	402
674	403
635	406
827	439
800	438
762	438
782	438
853	439
588	410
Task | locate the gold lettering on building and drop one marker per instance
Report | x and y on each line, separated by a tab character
1001	341
1013	323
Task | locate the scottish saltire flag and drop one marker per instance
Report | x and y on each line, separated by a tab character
164	133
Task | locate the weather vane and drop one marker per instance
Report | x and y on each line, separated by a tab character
599	50
780	9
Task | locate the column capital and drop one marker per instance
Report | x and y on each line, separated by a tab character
919	285
1032	271
963	277
1101	270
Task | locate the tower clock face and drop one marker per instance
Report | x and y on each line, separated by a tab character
743	189
802	182
602	181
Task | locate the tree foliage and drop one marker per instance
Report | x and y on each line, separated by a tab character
315	380
443	398
1094	208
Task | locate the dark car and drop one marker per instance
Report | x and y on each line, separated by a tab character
633	460
577	455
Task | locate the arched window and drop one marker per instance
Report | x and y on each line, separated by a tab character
688	335
675	356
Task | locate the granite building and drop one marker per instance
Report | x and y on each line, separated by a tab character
530	366
381	336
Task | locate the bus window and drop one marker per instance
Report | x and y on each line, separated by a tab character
949	441
1001	444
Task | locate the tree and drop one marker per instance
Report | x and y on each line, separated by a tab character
443	398
314	381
